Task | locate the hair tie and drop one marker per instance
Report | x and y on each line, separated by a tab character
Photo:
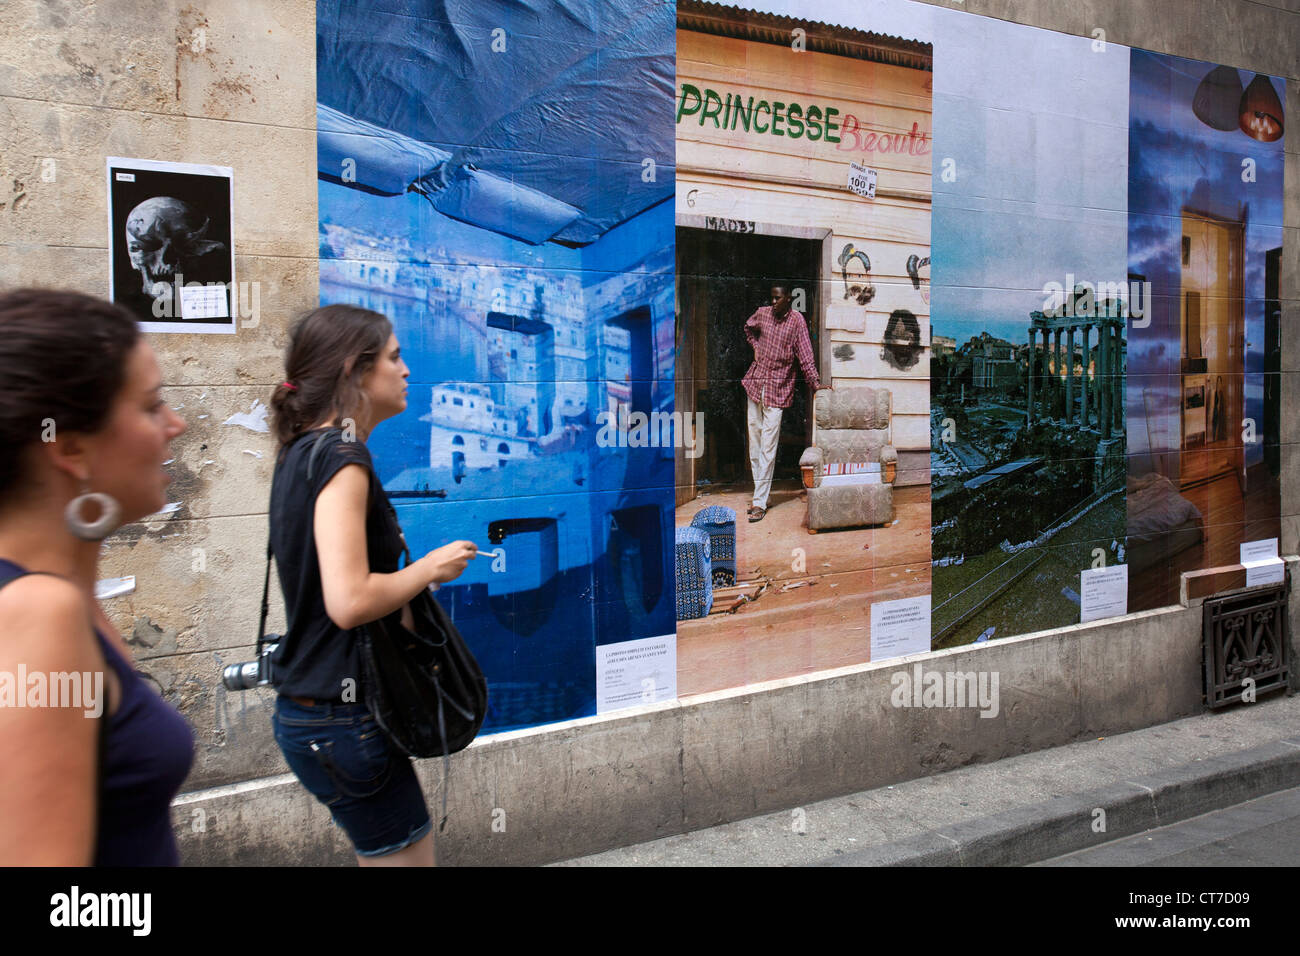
290	386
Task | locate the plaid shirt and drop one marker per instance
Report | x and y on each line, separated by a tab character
778	345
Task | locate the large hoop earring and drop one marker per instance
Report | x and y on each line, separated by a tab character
101	527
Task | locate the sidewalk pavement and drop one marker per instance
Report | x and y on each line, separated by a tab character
1017	810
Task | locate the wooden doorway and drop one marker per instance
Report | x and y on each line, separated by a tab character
1212	335
722	278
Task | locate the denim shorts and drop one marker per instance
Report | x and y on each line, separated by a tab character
345	761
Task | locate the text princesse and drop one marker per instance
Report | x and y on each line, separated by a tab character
776	118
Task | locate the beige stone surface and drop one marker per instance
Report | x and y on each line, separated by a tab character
250	60
199	580
274	172
223	461
237	826
282	288
1245	33
232	730
1290	543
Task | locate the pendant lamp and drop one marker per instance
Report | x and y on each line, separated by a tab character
1261	111
1217	103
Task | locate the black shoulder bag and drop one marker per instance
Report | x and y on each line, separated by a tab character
423	687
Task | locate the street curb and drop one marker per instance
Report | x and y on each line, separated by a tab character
1063	825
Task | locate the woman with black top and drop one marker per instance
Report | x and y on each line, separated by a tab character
337	548
91	761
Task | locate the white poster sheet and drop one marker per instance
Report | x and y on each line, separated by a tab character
631	673
901	627
170	243
1103	592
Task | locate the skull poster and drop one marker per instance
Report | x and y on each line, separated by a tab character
172	258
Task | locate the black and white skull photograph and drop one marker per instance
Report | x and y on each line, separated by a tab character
170	241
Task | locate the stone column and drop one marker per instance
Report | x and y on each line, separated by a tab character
1056	367
1103	380
1029	405
1083	398
1117	377
1069	375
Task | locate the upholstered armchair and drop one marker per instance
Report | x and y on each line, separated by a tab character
849	471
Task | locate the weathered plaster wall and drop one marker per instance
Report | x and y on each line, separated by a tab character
231	82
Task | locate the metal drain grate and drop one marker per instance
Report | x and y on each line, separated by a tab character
1245	643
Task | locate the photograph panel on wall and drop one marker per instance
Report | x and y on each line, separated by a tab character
505	199
1205	235
171	247
804	148
1030	307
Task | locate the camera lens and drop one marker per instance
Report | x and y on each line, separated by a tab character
241	676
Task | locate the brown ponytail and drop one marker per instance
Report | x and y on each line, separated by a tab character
330	350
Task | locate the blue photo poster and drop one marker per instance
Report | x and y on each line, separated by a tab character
497	178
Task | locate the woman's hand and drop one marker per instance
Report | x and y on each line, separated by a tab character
355	595
449	562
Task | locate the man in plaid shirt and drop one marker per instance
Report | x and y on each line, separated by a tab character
779	336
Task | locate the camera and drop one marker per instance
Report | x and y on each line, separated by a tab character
254	673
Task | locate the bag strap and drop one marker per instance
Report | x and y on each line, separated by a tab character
446	758
266	580
315	450
266	594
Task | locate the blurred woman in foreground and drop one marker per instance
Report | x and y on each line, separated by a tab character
91	755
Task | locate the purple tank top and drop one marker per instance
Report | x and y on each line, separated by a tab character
147	752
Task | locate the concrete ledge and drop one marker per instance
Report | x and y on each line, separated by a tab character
1041	831
268	822
566	790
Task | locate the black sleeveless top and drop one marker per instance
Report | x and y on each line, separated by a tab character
315	655
147	748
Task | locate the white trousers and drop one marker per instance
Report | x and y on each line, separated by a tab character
764	431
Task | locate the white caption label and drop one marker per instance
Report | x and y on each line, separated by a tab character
899	628
1263	566
1103	593
631	673
204	302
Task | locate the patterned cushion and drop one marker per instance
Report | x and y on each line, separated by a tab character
856	408
720	524
693	577
850	506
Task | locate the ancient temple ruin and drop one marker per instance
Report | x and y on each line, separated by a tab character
1098	367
